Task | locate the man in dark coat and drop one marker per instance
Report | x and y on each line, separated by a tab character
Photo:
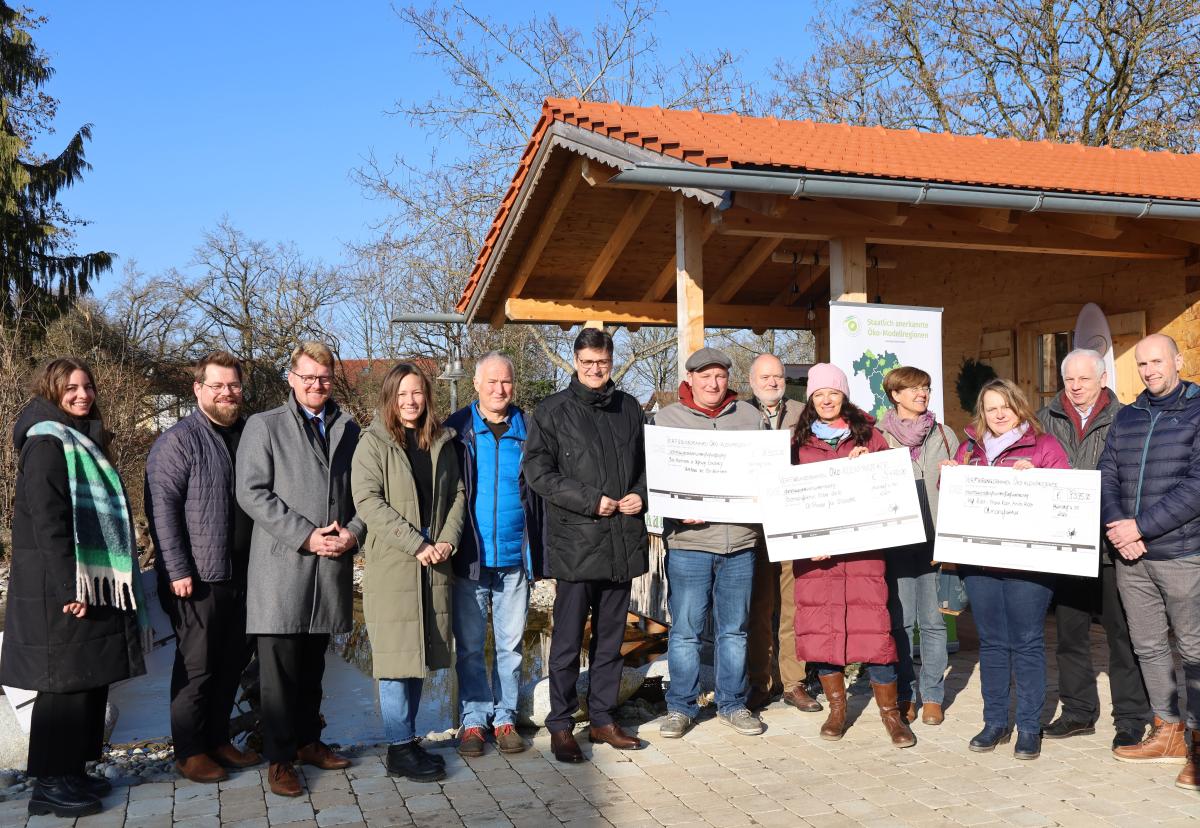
1080	418
1150	504
202	546
585	457
293	480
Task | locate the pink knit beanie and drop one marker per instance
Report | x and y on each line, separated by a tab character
825	375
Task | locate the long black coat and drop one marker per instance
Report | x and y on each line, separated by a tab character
583	444
46	649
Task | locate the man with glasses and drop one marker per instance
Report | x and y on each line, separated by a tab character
584	456
202	540
293	479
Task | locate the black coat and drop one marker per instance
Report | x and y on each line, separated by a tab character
1150	471
46	649
583	444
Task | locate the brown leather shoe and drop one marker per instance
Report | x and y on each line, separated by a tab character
895	725
508	740
1189	777
932	714
565	748
611	734
908	710
227	756
798	698
201	768
1166	743
471	742
283	779
834	686
320	755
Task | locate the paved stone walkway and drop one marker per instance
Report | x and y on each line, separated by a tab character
711	777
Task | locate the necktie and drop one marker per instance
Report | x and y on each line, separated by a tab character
316	423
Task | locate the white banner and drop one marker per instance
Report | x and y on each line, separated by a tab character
1043	520
868	341
841	506
714	476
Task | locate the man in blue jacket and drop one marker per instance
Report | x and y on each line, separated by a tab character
1150	504
494	564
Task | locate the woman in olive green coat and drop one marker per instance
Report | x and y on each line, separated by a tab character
408	490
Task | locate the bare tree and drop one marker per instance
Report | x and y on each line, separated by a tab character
1122	73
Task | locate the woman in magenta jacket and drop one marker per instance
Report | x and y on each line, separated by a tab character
1009	606
842	602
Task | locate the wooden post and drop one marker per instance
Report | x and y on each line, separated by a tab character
848	269
689	278
594	323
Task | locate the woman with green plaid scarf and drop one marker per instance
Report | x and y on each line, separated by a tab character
76	617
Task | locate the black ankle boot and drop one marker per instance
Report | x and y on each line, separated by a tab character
437	759
63	797
409	761
95	785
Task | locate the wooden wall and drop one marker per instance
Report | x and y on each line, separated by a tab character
989	291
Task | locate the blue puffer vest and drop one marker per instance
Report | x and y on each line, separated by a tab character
503	518
1150	470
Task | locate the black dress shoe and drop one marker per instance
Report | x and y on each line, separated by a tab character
409	761
95	785
565	748
63	797
987	739
1128	737
1064	728
1029	745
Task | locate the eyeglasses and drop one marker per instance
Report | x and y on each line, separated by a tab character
589	364
312	379
920	389
218	387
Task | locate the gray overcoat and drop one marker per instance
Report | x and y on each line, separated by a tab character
288	487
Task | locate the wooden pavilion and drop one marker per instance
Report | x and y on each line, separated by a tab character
643	216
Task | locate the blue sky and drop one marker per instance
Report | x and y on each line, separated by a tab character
260	109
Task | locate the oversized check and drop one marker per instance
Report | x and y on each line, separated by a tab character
713	475
841	506
1044	520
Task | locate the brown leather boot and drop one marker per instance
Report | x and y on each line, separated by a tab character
895	725
932	714
1189	777
834	686
908	710
201	768
798	698
1166	744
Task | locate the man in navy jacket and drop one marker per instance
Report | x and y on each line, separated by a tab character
1150	504
494	564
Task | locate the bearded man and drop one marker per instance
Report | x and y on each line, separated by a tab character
202	540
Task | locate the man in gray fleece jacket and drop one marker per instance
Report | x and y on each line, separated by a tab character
710	566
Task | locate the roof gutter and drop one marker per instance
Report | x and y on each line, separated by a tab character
821	185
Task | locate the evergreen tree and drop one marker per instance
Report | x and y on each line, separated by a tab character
40	273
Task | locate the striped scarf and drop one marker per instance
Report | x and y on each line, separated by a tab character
106	569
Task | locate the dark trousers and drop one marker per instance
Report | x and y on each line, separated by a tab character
1077	599
66	731
210	654
606	603
1009	608
290	669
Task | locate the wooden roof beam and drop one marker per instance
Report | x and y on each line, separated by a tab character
662	314
793	292
884	212
746	268
595	173
1184	230
533	250
995	219
626	227
1100	227
665	280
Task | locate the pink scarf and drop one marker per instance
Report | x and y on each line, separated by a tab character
910	433
994	446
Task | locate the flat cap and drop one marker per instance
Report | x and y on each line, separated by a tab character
706	357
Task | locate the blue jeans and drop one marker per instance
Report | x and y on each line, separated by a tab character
1010	613
506	591
913	602
699	583
877	673
398	702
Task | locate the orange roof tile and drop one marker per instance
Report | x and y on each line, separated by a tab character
734	141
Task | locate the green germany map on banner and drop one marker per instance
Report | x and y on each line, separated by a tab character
875	368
